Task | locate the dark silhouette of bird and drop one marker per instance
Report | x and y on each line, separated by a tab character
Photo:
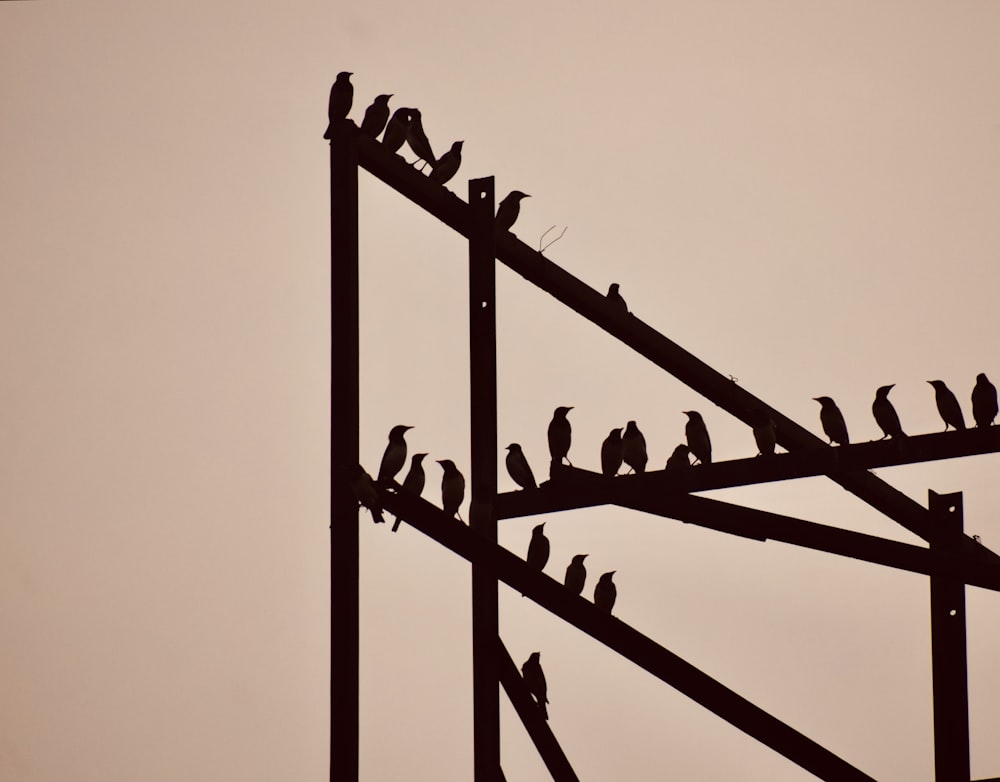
417	140
984	401
413	483
885	414
376	116
605	593
616	300
611	453
509	209
947	405
518	467
576	574
832	420
765	435
394	456
697	437
395	131
364	490
534	680
560	435
634	448
452	488
341	97
679	459
538	548
447	165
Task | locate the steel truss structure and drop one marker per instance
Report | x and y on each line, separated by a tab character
950	560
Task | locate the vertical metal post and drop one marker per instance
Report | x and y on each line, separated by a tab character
343	453
482	517
949	664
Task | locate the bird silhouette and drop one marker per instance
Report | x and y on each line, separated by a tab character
634	448
885	414
518	467
616	300
376	116
413	483
341	97
534	679
394	456
832	420
576	574
417	140
452	488
538	548
611	453
679	459
560	434
765	434
364	490
508	210
697	437
605	593
984	401
947	405
447	165
395	131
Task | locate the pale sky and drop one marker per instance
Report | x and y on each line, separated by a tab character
801	194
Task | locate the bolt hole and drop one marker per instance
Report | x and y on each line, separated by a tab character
953	612
482	304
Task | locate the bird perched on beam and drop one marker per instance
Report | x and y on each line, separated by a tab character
947	405
697	437
417	140
615	299
576	574
984	401
538	548
885	414
413	483
376	116
394	456
832	420
508	210
765	435
395	131
364	490
605	593
611	453
447	165
560	435
452	488
534	680
679	459
634	448
341	97
518	467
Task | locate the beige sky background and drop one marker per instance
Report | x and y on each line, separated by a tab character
802	194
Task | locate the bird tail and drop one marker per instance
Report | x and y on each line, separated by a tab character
377	516
396	523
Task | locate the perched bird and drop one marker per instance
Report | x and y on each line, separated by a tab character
341	97
395	131
452	487
414	480
885	414
394	456
605	593
509	209
697	437
534	679
576	574
560	434
518	467
447	165
376	116
634	448
765	435
611	453
538	548
832	420
364	489
947	405
616	300
984	401
417	140
679	459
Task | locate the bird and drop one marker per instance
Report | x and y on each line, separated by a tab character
341	97
679	459
452	487
832	420
509	209
616	300
395	131
538	548
414	480
984	401
885	414
576	574
518	467
534	679
611	453
394	456
417	140
364	489
560	434
376	116
697	437
605	593
765	435
947	405
634	448
447	165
